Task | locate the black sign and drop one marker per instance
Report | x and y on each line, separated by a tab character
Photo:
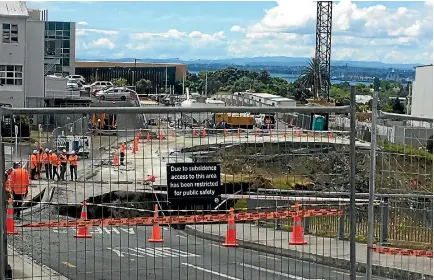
193	183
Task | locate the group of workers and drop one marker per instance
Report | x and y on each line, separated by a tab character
51	161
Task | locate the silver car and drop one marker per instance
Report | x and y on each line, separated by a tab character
116	93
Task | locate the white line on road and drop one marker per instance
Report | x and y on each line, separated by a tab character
271	258
276	272
180	236
212	272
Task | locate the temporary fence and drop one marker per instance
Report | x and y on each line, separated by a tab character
177	193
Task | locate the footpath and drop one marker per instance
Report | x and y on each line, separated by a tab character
322	250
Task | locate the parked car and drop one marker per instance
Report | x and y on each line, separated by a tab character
78	78
94	87
116	93
72	85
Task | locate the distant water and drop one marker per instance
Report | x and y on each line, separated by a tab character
292	79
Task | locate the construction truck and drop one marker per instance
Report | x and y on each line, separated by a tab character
103	123
235	120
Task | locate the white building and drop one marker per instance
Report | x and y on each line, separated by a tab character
22	55
422	92
269	99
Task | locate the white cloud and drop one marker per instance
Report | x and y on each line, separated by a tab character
237	28
82	23
86	31
104	43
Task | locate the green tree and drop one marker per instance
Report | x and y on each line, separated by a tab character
314	76
397	106
338	94
377	84
119	82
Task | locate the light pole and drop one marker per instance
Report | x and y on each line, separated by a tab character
135	73
206	77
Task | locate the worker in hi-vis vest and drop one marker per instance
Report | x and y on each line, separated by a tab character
63	162
54	163
19	186
122	151
34	165
73	165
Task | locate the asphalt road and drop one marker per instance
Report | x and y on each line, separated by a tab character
125	253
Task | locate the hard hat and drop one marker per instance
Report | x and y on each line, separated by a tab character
35	151
73	153
50	151
64	151
47	150
16	164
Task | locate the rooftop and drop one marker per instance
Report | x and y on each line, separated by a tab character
282	99
13	9
84	64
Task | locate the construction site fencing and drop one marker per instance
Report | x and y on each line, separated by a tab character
186	200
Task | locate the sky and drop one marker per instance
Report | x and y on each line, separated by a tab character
390	32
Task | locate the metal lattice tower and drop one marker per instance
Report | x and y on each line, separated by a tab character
324	41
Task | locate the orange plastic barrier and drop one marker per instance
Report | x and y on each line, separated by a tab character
187	219
403	252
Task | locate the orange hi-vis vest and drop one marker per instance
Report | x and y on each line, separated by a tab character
19	181
33	161
44	158
122	148
53	159
62	159
73	160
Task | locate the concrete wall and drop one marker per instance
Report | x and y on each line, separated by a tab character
34	61
13	54
72	49
422	92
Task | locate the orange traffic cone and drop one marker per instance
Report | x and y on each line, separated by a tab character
115	161
230	240
225	133
284	134
173	133
156	236
238	132
161	136
194	131
297	237
204	132
10	227
330	135
256	132
148	137
82	231
270	133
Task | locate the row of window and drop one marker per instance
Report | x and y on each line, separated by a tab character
10	33
57	26
11	75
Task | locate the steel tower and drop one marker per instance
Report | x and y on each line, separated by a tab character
324	41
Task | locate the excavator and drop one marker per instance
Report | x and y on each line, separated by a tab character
103	123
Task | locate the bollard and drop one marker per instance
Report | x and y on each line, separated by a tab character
384	212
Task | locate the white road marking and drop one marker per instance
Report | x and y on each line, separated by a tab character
271	258
180	236
119	253
153	252
276	272
212	272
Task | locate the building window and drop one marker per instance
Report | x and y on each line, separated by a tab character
11	75
10	33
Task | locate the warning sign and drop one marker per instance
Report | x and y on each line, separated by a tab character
193	183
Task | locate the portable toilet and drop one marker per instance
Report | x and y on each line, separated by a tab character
318	123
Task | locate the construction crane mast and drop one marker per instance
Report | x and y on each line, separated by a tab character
324	43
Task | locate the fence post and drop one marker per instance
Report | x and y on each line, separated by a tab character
353	214
384	220
341	225
5	268
372	159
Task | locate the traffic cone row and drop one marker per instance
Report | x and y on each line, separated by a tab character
148	137
230	240
156	234
83	231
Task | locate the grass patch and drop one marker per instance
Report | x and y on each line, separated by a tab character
405	150
285	182
241	204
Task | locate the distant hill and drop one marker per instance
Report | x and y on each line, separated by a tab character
268	61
